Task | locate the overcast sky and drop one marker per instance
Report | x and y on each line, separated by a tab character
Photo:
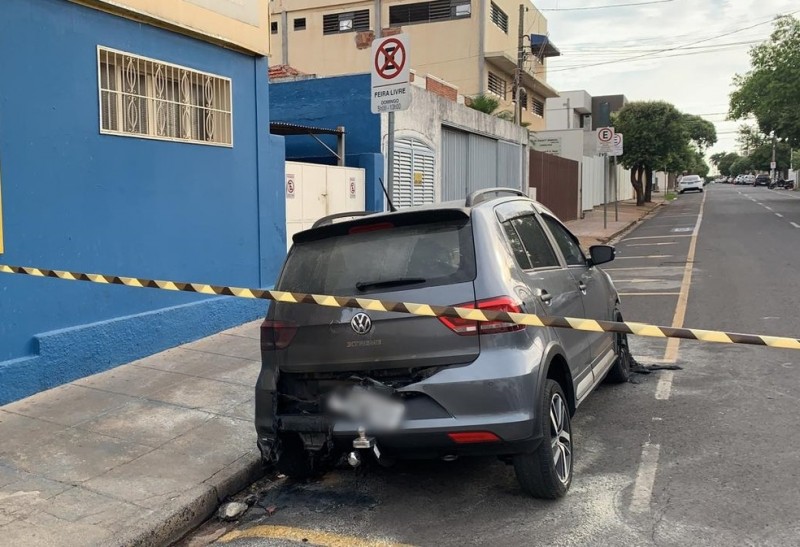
694	77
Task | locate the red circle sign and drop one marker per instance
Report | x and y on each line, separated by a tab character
290	186
390	58
605	134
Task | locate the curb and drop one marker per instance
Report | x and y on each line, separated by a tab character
167	524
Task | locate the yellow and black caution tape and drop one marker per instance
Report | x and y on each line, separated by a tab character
528	319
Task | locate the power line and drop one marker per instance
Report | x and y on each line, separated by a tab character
632	4
635	57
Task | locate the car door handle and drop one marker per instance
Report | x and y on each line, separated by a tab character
545	297
582	286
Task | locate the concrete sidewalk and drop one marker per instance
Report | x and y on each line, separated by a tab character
590	230
138	455
143	453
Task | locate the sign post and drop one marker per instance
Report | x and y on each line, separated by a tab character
391	88
605	144
616	151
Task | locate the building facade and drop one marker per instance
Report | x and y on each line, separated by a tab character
443	149
471	44
134	141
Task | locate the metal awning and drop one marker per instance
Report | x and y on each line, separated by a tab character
287	129
542	47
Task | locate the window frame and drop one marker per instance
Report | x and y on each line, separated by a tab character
498	16
273	27
537	111
352	16
553	248
295	25
149	96
570	235
454	5
489	76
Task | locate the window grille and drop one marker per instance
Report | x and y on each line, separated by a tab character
497	85
523	97
300	23
538	108
429	12
335	23
141	97
499	17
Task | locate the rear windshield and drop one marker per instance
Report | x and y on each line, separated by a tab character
690	179
423	255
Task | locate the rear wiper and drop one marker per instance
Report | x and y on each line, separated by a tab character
366	285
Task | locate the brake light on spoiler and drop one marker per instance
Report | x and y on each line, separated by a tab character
467	327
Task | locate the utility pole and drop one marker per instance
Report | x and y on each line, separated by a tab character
773	170
520	65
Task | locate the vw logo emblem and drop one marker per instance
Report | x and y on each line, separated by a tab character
361	323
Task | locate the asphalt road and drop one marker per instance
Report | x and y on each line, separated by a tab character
704	455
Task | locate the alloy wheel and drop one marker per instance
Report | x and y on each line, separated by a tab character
560	438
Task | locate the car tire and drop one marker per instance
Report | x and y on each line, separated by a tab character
294	460
547	472
620	371
680	191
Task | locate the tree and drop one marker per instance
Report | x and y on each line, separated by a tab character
658	135
769	92
723	162
741	166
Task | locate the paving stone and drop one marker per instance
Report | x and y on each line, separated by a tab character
204	394
230	345
150	423
132	381
68	405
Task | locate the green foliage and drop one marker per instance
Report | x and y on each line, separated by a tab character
484	103
769	91
723	162
701	132
761	157
742	166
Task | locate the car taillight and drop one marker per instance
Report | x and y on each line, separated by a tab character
470	437
277	334
467	327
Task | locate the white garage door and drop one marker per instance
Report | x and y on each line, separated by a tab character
413	174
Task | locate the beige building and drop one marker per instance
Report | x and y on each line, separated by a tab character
471	44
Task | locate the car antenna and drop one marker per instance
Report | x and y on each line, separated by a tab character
392	208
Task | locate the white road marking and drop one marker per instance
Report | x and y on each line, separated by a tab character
648	294
664	386
653	237
778	215
796	225
645	479
648	244
767	207
642	256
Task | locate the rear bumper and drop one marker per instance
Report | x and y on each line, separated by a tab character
497	393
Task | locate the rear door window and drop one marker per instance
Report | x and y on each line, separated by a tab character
400	257
538	253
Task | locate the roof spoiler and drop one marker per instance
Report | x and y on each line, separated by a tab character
481	195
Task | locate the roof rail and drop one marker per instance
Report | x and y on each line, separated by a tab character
324	221
478	195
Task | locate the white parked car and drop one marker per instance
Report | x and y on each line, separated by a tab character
690	182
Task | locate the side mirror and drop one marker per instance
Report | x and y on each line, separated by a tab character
600	254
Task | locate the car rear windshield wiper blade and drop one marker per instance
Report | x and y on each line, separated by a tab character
366	285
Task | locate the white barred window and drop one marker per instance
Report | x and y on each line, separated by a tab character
141	97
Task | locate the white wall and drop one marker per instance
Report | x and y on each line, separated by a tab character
314	191
430	111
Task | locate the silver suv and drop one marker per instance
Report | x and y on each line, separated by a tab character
341	382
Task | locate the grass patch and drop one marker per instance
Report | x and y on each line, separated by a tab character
669	196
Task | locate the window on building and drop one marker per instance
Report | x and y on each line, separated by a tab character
523	97
300	24
429	12
335	23
273	27
499	17
141	97
537	107
497	85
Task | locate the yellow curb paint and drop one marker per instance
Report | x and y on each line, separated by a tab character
306	536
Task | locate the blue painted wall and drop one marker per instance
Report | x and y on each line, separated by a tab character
329	103
74	199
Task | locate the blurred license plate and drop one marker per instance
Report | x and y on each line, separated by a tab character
368	408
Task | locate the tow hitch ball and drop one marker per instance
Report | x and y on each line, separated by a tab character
362	442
